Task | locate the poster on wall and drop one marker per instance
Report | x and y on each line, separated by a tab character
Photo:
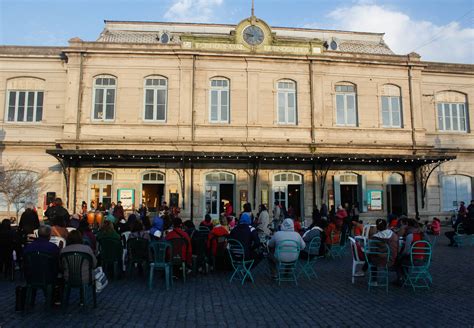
264	197
374	200
243	198
127	197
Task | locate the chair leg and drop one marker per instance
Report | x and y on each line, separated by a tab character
150	278
66	294
28	299
168	278
94	296
49	296
183	267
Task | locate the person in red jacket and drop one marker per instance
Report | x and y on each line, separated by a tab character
177	233
218	231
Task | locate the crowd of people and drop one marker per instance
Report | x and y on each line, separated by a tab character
260	233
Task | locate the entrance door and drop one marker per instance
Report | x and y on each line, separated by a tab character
100	188
287	190
349	195
152	195
294	199
226	195
396	197
218	191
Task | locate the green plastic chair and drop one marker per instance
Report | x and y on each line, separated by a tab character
221	246
417	274
460	236
160	250
337	250
377	249
200	258
137	253
287	270
308	264
177	246
239	263
111	251
73	262
41	272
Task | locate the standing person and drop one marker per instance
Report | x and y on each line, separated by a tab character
263	221
470	210
247	208
229	209
83	212
355	212
276	215
56	212
142	211
324	211
92	206
118	211
462	212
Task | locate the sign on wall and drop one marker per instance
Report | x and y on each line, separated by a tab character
374	200
127	197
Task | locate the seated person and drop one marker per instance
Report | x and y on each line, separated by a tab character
314	230
156	230
58	228
42	244
178	232
248	237
75	244
389	237
231	222
138	231
107	231
207	222
218	231
358	227
333	233
74	221
287	232
87	235
189	228
435	227
297	225
414	234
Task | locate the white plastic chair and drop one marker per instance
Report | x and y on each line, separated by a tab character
69	229
357	262
35	232
124	237
59	241
366	230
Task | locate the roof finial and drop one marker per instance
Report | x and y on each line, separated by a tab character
253	9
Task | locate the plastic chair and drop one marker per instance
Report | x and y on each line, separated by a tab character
73	263
41	272
221	247
69	229
357	262
239	263
460	236
200	259
337	249
159	251
111	251
366	230
377	255
287	269
137	253
313	252
178	247
417	274
58	241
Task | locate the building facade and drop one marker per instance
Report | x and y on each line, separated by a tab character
201	114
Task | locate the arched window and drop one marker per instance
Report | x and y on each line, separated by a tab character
219	95
287	177
391	106
395	179
153	177
100	188
156	99
104	98
451	111
25	97
349	178
346	104
286	102
222	177
456	189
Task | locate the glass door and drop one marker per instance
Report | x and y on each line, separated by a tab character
279	195
211	200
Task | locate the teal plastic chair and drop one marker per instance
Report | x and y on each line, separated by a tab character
160	250
137	253
73	263
110	250
460	236
337	250
377	256
41	272
309	264
287	269
417	274
239	263
177	260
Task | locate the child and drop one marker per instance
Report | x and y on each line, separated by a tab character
435	227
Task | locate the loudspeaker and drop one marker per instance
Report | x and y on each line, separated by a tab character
50	197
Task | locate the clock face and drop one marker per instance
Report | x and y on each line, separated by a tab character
253	35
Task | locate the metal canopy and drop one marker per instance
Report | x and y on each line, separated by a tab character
139	158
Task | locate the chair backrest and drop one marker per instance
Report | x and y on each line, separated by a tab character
58	241
73	262
40	268
198	242
110	249
69	229
35	232
314	245
221	244
124	238
287	250
420	253
460	229
355	254
236	250
159	251
137	248
179	247
377	252
366	230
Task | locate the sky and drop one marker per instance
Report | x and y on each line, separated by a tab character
439	30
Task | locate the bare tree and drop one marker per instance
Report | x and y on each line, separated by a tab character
19	184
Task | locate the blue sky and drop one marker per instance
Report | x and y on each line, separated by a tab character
439	30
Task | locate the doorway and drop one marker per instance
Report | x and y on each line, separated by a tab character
287	191
219	190
152	195
294	200
396	195
349	195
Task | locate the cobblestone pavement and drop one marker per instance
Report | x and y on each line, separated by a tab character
328	301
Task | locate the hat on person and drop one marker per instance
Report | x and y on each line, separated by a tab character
245	219
288	225
157	234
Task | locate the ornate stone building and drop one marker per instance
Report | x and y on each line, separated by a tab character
201	114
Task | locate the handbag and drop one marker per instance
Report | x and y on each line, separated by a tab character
100	279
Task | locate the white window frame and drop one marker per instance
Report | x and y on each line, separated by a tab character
101	183
391	112
219	90
445	118
104	104
35	106
286	92
457	198
345	94
155	89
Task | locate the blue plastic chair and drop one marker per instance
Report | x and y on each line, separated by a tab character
417	274
377	256
308	264
287	269
239	263
160	250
